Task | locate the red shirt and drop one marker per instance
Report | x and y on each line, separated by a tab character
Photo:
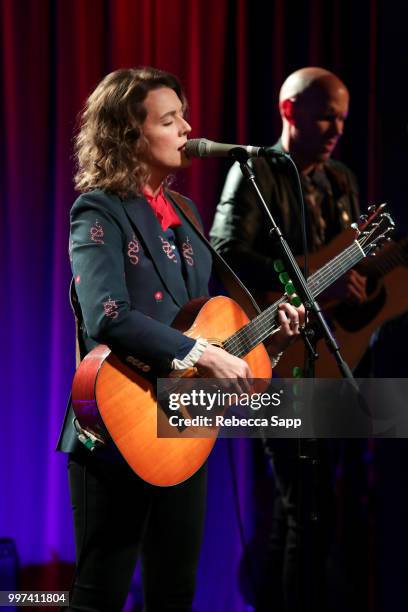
163	209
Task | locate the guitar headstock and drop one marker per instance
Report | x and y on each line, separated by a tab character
375	229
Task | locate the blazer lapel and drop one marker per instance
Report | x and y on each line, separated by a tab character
195	252
189	248
152	236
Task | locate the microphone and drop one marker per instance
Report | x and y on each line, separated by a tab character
201	147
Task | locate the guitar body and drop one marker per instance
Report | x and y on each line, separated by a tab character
353	326
110	396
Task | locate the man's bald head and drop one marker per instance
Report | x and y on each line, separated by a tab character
313	103
310	81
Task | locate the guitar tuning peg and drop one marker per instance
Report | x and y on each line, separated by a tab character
362	218
371	208
278	265
386	215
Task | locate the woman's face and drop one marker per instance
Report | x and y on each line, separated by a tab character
166	130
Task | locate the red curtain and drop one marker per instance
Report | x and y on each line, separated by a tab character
231	56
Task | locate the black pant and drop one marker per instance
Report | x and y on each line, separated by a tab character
117	516
294	576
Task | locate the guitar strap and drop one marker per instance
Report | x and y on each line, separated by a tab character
230	280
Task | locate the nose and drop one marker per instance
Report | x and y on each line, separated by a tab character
185	127
338	126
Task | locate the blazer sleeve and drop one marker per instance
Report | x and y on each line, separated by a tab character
96	249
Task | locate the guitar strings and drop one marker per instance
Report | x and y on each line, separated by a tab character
248	337
254	332
260	328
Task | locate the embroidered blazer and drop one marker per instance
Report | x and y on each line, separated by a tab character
131	282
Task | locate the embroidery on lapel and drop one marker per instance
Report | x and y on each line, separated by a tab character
168	250
149	235
110	308
97	233
133	248
187	250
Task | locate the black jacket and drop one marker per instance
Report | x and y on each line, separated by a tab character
240	231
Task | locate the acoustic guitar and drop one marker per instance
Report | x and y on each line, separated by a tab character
353	324
113	402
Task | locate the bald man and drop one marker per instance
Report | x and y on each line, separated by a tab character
313	105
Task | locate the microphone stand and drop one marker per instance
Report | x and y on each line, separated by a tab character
295	273
307	598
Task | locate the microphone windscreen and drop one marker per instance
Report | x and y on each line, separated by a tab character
196	147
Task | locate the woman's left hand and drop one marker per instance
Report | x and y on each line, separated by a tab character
291	320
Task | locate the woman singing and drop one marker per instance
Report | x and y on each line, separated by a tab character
136	260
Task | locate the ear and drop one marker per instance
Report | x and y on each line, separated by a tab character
287	110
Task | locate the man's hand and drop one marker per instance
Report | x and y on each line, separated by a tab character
356	287
351	287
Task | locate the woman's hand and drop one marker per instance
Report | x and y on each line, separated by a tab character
291	320
217	363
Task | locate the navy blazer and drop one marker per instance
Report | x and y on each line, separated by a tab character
129	283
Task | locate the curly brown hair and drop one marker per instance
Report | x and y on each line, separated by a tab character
109	144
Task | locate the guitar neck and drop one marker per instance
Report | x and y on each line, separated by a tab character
262	326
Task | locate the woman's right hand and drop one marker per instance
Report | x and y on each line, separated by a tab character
217	363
